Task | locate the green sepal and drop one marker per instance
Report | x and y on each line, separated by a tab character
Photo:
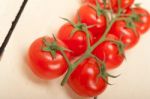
98	9
137	5
121	48
130	24
73	32
46	49
102	69
119	44
52	47
112	76
65	49
72	23
135	17
45	42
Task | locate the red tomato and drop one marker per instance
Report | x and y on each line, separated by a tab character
89	16
77	43
113	3
109	52
144	23
42	63
127	35
85	81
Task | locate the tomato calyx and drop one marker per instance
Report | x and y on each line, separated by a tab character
135	17
137	5
120	45
129	20
130	23
103	72
52	47
79	26
98	9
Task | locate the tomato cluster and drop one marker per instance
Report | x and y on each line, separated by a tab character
90	45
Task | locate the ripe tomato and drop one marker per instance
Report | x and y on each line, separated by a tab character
109	52
143	23
113	3
89	16
42	63
77	43
85	81
127	35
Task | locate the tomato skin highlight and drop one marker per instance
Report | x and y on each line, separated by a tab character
84	80
89	16
127	35
77	43
144	24
42	64
109	52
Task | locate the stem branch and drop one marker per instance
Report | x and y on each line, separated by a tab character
72	67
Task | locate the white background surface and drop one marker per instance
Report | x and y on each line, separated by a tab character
41	17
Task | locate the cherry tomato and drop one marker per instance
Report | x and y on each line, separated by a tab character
85	81
109	52
112	2
77	43
127	35
89	16
143	24
42	63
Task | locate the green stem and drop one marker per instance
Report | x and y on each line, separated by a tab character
107	17
111	9
67	75
87	53
82	58
114	41
104	35
72	23
95	97
119	6
74	66
122	19
66	58
102	62
87	37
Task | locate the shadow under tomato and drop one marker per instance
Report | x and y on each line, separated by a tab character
72	94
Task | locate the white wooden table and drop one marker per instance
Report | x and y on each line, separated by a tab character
41	17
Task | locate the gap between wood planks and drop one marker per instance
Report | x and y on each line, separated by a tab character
14	23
